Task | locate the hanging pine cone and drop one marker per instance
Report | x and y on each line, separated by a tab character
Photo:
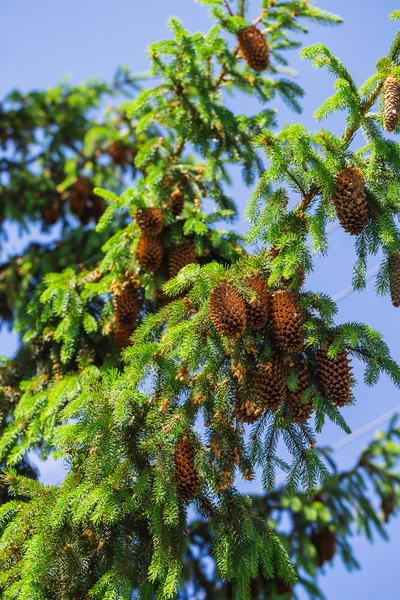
81	191
119	153
350	200
52	212
176	201
391	103
150	220
247	411
335	376
394	278
287	320
324	541
187	481
180	256
300	411
150	253
270	383
258	310
227	311
127	311
254	49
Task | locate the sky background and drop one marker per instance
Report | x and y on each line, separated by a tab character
42	41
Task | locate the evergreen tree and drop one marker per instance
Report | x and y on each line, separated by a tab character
152	342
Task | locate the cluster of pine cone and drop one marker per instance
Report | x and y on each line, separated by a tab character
282	310
150	251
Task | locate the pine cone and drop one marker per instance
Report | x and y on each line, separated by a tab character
180	256
227	311
325	542
246	411
350	200
127	311
258	311
81	191
52	212
150	253
83	187
299	411
150	220
270	383
394	278
176	202
287	320
391	103
335	376
254	48
119	152
187	481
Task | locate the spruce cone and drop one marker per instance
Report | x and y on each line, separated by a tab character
119	152
175	202
391	103
335	376
299	411
325	542
187	481
246	411
394	278
180	256
52	212
228	311
80	193
258	311
254	48
287	320
270	383
128	306
150	220
350	200
150	253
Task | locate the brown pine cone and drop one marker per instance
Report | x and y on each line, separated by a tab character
394	278
150	253
176	202
227	311
254	49
52	211
188	483
350	200
270	383
150	220
180	256
391	103
300	411
258	310
335	376
119	153
324	541
287	320
127	311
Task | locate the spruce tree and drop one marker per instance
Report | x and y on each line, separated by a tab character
163	357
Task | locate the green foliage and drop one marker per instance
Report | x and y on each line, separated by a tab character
120	361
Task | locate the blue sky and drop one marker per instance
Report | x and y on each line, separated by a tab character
42	41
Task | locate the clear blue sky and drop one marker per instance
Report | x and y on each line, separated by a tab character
42	41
